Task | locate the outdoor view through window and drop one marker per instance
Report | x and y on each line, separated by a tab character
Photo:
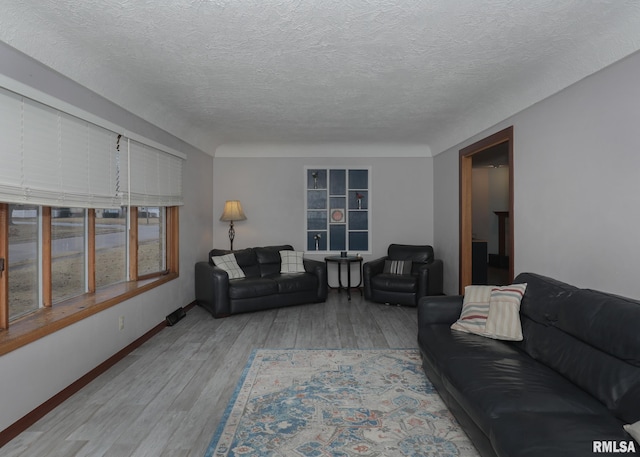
151	240
23	260
69	246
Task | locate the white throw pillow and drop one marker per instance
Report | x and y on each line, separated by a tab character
633	430
291	262
475	310
492	311
503	322
229	264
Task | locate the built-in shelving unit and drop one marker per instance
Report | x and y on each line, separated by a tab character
338	216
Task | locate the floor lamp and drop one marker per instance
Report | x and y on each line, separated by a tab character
232	212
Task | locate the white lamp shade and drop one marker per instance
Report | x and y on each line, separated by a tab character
232	211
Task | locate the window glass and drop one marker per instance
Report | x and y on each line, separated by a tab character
23	260
111	246
68	247
151	240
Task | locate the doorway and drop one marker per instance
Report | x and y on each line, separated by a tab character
493	151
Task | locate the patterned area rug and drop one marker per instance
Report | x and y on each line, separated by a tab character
339	402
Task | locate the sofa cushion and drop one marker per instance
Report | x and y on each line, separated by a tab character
291	262
593	317
439	345
552	434
540	303
614	382
229	264
415	253
252	287
628	405
395	283
489	381
295	282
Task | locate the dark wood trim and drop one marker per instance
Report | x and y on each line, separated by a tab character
465	206
173	237
153	275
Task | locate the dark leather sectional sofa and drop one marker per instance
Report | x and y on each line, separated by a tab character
573	380
263	287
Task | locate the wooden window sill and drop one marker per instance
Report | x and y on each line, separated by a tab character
46	321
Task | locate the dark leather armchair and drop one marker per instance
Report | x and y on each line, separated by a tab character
425	277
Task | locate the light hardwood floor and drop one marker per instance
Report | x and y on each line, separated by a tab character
167	397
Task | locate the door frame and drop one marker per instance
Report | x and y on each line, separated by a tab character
466	202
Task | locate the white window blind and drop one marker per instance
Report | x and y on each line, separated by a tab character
156	176
55	159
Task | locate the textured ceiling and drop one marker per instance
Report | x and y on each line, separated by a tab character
429	72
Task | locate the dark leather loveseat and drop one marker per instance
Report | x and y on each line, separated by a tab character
263	287
424	278
573	380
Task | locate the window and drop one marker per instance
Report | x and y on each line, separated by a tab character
337	209
68	253
88	216
66	263
72	243
23	266
151	241
110	246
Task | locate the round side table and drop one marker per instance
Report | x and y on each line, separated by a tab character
348	260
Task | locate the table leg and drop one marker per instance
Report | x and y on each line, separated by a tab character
359	286
349	281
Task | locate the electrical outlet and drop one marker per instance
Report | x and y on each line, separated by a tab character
121	323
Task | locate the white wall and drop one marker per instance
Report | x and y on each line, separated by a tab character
446	216
34	373
272	194
576	185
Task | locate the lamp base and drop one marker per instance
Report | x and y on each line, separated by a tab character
232	235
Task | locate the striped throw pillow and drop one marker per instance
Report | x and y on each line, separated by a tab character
503	322
397	267
475	310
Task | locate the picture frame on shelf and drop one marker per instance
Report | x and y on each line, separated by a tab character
337	215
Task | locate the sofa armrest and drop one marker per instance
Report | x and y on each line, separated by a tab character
431	278
439	310
318	269
369	270
212	289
